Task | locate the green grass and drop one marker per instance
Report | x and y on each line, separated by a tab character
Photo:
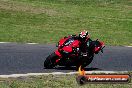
46	21
53	81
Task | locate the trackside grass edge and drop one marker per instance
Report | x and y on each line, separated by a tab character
53	81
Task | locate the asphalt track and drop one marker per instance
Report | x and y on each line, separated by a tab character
27	58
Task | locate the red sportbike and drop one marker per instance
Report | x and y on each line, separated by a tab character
69	53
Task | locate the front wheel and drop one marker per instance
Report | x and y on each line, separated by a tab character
50	61
84	62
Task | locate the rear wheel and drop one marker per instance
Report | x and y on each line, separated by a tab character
50	61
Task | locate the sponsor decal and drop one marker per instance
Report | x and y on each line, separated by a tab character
101	78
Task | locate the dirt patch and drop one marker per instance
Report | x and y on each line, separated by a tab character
6	5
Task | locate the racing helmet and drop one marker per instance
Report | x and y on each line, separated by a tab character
83	34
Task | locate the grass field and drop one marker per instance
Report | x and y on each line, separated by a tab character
52	81
46	21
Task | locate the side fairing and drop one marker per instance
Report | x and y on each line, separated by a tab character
75	43
67	49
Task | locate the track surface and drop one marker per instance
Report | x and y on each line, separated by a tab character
24	58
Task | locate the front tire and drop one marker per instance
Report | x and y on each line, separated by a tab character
87	62
83	62
50	61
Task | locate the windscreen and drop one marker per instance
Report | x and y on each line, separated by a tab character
69	41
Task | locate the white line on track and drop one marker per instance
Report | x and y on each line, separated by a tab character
4	42
13	42
57	73
128	46
32	43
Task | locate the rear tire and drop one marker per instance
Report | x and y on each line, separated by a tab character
50	61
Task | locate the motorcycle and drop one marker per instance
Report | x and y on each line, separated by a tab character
69	54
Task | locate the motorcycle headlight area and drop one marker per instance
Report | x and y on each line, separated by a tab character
75	50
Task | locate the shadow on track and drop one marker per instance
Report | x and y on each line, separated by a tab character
74	68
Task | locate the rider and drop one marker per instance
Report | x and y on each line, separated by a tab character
84	39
